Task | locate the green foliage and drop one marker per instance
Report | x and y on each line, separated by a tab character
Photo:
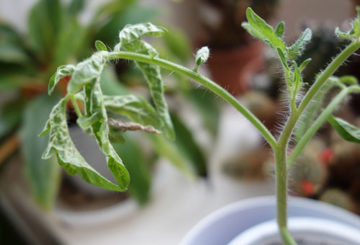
61	72
61	146
296	49
258	28
44	175
346	130
130	40
134	108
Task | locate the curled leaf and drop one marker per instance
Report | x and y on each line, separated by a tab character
87	71
61	72
130	40
61	145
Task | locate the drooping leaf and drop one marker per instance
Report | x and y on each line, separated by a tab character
130	40
94	104
87	71
189	146
298	47
61	146
61	72
133	107
201	57
44	175
346	130
258	28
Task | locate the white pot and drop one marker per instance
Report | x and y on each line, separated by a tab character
224	225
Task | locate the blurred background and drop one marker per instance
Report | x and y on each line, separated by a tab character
217	158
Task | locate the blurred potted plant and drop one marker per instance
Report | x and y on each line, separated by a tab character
235	55
55	36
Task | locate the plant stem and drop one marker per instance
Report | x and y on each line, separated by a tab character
218	90
282	146
281	188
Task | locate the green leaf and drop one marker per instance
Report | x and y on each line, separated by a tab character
346	130
10	117
130	40
201	57
133	107
87	72
68	43
280	29
257	27
61	146
44	175
298	47
189	147
45	23
11	52
132	34
61	72
94	104
351	80
304	64
100	46
139	168
283	59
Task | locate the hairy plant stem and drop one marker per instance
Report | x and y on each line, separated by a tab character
218	90
283	142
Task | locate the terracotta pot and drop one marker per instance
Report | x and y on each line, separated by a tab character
234	68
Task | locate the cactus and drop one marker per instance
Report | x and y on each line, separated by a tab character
338	198
308	175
